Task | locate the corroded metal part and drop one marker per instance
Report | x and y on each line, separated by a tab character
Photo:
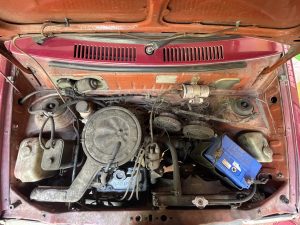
5	53
28	164
57	157
242	107
195	91
273	20
198	131
85	85
256	145
168	122
200	202
85	110
75	191
106	128
62	118
153	156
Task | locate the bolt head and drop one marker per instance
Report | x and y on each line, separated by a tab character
149	50
249	180
200	202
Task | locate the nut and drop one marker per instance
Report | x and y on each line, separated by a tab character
200	202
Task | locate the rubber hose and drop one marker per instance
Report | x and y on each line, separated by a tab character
233	201
176	171
52	133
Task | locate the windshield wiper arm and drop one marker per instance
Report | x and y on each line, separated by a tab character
154	45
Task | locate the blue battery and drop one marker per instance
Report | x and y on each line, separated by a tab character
234	162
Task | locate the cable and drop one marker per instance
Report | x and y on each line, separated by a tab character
11	83
76	150
210	117
65	105
112	97
40	66
233	201
133	171
176	171
107	167
40	111
45	72
130	35
152	111
61	97
163	42
136	181
131	178
25	98
135	187
52	131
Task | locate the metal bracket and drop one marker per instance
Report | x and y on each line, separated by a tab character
12	59
77	189
293	51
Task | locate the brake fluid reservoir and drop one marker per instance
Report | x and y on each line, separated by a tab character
231	160
28	164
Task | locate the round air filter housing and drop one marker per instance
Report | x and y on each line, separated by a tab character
105	129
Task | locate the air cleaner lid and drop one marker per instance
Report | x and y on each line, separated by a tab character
105	129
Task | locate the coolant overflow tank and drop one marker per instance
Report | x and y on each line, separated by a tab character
59	156
28	164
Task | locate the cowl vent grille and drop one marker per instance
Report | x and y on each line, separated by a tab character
105	53
196	54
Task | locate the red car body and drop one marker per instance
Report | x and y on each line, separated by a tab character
77	57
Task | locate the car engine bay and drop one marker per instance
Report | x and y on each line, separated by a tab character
89	140
133	142
128	150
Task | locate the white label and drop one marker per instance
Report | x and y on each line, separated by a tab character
236	165
226	163
166	79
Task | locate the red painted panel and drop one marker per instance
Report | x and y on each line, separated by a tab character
195	53
5	125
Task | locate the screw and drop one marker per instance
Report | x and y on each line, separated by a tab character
259	212
233	169
73	208
249	180
284	199
279	175
15	204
